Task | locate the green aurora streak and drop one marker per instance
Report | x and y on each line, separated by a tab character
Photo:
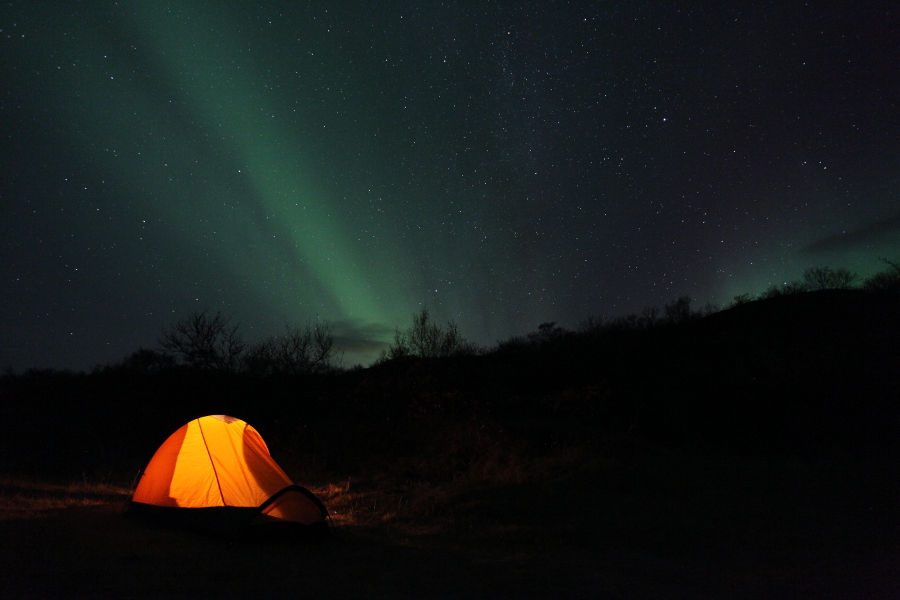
224	142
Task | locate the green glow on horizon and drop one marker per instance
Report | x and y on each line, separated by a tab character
774	270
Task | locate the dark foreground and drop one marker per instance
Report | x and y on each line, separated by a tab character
783	533
752	453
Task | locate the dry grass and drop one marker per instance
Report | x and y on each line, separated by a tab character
459	485
629	496
27	499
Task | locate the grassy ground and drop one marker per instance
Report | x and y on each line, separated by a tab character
667	526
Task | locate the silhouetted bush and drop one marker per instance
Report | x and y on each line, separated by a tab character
741	299
206	342
515	344
147	361
814	279
591	326
548	335
426	339
210	343
649	317
629	322
680	311
297	352
826	278
885	281
595	326
787	289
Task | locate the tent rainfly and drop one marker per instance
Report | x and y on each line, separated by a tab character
216	473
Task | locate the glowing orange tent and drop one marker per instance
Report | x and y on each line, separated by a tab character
216	472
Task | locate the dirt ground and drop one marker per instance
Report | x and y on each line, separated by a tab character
88	549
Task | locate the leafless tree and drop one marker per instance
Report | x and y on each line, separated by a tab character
303	351
649	317
147	361
679	311
296	352
259	359
826	278
427	339
885	281
205	341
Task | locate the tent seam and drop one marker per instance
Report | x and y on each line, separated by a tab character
212	463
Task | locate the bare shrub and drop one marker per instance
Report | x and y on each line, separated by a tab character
591	326
786	289
205	341
298	351
741	299
649	317
211	342
427	339
147	361
826	278
885	281
679	311
304	351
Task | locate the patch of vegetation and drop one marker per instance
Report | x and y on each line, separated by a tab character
887	281
427	339
209	342
22	498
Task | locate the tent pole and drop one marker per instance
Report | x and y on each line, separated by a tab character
211	462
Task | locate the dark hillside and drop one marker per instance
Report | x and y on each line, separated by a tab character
746	452
806	373
803	372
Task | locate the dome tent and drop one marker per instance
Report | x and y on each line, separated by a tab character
216	473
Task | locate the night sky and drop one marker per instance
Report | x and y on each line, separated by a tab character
505	163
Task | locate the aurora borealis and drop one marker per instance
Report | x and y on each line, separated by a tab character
506	164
